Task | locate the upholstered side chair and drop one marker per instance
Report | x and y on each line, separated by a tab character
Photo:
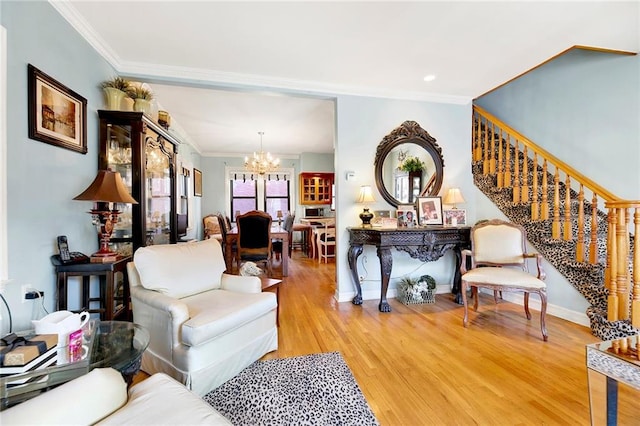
499	263
254	238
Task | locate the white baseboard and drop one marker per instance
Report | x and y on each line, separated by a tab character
534	303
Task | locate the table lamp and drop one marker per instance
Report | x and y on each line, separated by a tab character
106	188
365	197
453	197
279	216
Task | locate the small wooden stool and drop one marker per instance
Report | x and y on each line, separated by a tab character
305	237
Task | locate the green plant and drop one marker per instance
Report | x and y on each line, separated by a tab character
412	164
116	83
429	281
136	92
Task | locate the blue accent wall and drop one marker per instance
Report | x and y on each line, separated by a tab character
584	108
42	178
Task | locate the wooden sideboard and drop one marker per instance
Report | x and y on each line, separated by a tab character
425	243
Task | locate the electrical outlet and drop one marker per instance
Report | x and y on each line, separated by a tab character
23	291
361	278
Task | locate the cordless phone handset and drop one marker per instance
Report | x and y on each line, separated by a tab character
63	248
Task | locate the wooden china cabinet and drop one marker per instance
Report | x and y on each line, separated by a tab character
145	155
316	188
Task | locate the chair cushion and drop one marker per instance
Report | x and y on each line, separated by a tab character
180	270
507	277
218	312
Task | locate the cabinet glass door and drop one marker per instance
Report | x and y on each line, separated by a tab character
157	190
119	159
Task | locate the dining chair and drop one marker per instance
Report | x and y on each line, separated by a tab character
211	227
499	263
326	238
276	244
222	225
254	238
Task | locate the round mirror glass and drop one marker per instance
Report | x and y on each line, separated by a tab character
408	165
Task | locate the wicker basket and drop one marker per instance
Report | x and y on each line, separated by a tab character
411	291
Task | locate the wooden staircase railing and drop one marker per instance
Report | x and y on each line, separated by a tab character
513	159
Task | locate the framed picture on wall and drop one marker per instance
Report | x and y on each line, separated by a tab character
197	183
430	210
57	114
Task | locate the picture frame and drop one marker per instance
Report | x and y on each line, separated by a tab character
197	183
56	114
379	216
406	216
455	217
430	210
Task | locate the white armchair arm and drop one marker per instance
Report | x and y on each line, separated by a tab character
241	284
162	315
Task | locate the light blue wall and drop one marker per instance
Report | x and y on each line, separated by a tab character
362	123
312	162
42	178
581	99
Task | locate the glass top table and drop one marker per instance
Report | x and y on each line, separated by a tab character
115	344
609	363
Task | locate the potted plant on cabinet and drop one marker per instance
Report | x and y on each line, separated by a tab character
115	91
142	98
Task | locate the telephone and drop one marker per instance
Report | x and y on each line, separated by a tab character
67	257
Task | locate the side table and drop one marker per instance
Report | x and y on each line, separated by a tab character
269	284
608	363
107	273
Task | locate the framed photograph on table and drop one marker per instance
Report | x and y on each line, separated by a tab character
430	210
455	217
57	114
406	216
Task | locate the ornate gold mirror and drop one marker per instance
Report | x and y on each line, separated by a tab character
408	164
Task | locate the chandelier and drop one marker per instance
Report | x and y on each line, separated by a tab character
261	162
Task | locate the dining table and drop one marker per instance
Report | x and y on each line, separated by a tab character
277	232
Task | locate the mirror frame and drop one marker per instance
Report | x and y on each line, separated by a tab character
408	132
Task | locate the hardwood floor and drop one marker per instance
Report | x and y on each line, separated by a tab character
418	365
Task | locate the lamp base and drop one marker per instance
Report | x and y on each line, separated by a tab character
366	217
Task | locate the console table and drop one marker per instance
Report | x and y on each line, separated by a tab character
425	243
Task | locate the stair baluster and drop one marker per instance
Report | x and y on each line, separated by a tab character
568	233
580	241
535	207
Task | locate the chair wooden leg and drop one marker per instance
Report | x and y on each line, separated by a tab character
474	291
463	289
543	314
526	305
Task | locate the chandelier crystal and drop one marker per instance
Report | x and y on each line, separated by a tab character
262	162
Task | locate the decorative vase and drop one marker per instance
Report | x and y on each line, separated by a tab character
142	105
114	98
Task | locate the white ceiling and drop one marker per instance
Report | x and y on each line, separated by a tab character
226	70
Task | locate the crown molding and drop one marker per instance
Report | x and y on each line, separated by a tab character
87	32
189	75
211	77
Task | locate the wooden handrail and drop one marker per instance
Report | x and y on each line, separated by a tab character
604	193
622	270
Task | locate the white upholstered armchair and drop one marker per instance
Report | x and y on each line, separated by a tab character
498	262
205	325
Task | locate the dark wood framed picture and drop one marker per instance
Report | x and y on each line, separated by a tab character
57	114
197	183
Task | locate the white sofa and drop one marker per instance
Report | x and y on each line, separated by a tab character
101	397
206	326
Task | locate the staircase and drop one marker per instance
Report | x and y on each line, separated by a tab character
591	247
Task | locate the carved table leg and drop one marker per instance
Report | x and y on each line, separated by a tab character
386	262
355	250
455	288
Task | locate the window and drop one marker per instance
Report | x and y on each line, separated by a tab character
269	193
276	197
244	196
